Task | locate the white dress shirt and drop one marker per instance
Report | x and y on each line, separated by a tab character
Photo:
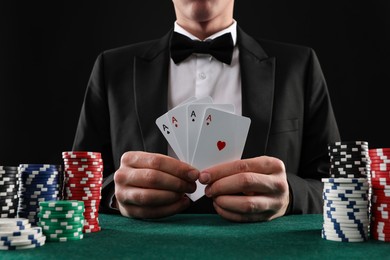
202	75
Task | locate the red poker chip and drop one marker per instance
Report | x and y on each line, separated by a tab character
91	214
378	216
97	229
91	229
380	182
378	238
83	174
90	217
380	174
380	207
77	157
376	160
84	169
384	234
84	194
381	193
92	203
75	190
92	222
87	179
82	187
380	197
81	197
380	157
84	160
83	165
380	227
89	185
379	231
376	219
81	153
79	165
84	182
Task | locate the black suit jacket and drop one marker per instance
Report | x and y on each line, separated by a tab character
283	92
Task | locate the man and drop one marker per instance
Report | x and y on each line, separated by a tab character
279	86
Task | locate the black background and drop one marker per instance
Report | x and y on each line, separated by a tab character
48	48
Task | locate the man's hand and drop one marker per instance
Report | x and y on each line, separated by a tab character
151	185
248	190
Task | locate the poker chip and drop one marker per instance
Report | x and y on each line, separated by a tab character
346	193
9	185
380	201
83	172
17	234
38	182
62	220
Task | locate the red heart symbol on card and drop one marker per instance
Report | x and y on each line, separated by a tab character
221	145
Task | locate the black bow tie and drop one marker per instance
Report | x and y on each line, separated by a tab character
220	48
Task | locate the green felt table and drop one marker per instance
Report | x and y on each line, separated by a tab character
205	237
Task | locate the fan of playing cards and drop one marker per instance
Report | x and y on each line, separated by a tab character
203	134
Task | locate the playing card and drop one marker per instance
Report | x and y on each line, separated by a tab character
165	128
222	139
178	123
195	113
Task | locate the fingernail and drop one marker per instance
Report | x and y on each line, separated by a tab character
204	177
207	191
193	175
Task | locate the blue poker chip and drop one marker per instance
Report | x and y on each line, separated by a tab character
346	185
344	180
39	181
34	174
341	199
344	209
360	231
38	165
351	221
348	232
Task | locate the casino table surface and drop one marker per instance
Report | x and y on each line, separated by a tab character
205	237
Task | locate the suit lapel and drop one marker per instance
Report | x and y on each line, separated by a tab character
151	92
257	77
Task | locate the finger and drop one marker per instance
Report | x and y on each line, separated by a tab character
247	183
245	208
153	179
160	162
146	197
154	212
263	164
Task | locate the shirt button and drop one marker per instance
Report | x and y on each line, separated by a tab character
202	75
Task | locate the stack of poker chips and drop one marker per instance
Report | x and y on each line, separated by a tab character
380	203
17	233
37	182
346	193
62	220
83	181
8	191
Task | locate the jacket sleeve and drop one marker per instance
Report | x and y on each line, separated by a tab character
319	129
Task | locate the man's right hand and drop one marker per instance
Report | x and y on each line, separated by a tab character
149	185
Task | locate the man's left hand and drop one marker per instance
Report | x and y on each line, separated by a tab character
248	190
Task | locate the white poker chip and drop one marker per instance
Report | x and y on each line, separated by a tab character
13	222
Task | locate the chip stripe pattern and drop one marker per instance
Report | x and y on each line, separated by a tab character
346	193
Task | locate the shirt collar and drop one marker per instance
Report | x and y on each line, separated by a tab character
232	29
